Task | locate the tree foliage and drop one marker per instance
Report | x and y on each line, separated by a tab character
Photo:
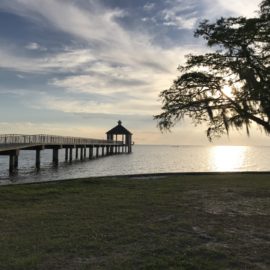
229	87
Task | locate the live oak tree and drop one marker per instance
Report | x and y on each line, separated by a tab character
229	87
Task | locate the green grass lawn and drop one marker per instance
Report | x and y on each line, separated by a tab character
176	222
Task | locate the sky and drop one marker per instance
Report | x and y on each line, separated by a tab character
76	67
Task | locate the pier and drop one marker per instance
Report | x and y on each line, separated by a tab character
85	148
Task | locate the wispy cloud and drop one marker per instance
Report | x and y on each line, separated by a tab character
35	47
149	6
117	60
180	14
110	64
94	23
183	14
53	128
20	76
71	105
240	7
68	61
136	78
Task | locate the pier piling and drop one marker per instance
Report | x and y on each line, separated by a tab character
16	162
70	154
55	156
11	163
38	159
90	152
66	154
13	160
81	153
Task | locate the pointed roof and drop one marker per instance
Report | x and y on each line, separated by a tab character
119	129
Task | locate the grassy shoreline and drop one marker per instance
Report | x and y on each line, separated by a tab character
203	221
141	176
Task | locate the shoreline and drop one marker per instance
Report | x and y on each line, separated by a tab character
142	176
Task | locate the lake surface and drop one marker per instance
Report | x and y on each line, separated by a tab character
144	159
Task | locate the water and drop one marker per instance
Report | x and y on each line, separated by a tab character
144	159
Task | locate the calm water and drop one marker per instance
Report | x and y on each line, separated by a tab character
144	159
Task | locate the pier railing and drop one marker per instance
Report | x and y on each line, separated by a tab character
6	139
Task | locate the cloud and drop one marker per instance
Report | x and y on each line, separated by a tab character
149	6
241	7
77	130
108	59
135	78
88	105
98	83
184	14
115	62
180	14
180	23
67	61
94	23
16	92
34	46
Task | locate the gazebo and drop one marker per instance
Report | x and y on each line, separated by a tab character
126	135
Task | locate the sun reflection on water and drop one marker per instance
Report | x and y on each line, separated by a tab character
227	158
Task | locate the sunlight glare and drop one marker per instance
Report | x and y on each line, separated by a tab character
228	158
227	90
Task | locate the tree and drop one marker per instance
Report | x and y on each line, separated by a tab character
229	88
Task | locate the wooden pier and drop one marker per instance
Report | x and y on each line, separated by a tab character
85	148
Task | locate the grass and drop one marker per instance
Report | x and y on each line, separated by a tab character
176	222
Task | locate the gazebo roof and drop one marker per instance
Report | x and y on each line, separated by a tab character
119	129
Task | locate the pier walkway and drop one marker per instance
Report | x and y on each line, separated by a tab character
12	144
